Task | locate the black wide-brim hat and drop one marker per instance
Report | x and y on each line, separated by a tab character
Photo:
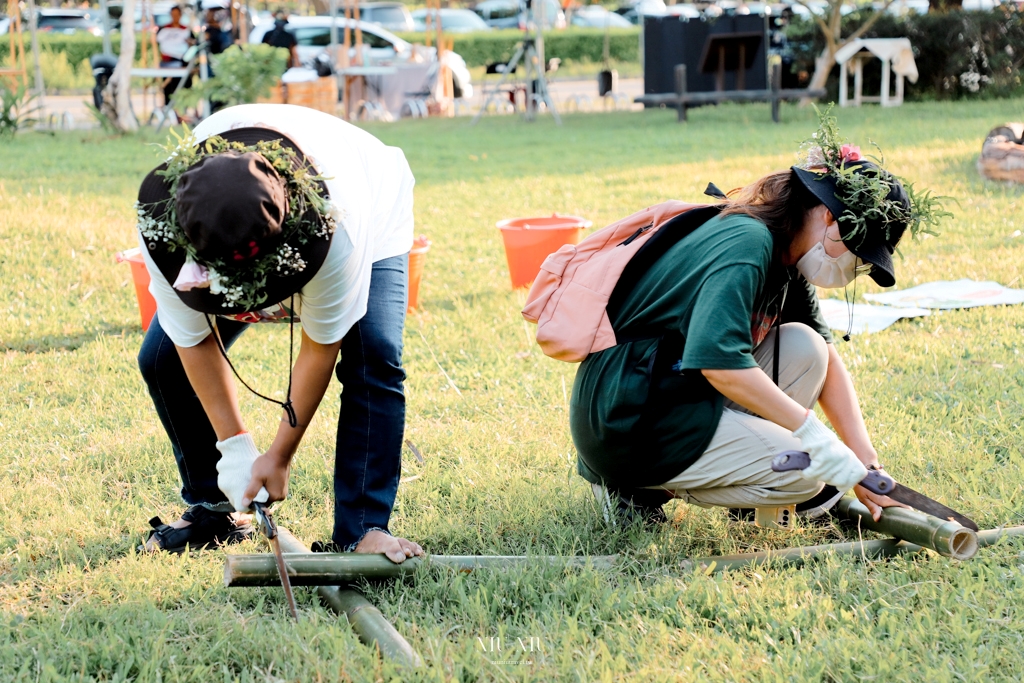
155	192
878	243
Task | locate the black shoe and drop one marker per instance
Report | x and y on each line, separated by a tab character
325	547
741	514
632	505
208	529
820	505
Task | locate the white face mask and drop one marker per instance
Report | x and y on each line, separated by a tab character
826	271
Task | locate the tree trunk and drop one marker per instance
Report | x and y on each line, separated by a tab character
117	96
823	64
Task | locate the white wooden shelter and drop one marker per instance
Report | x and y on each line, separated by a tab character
897	56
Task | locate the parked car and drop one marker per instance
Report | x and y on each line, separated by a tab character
635	10
393	16
313	35
452	21
68	21
596	16
684	10
513	14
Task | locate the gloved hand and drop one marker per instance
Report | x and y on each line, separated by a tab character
831	460
234	469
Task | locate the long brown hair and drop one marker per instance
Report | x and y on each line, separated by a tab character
779	200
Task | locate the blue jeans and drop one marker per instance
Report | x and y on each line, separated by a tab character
371	423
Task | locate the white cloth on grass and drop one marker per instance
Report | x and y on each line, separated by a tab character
949	294
866	318
371	186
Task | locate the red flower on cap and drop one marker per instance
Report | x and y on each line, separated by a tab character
850	153
253	250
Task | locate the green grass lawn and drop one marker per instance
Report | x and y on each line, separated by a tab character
84	464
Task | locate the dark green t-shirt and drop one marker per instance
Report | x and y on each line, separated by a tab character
705	304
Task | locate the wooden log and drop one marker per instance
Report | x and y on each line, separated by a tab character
1002	155
366	620
672	99
943	536
680	74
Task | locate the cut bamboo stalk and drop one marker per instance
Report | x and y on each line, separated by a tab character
340	569
943	536
992	536
330	569
366	620
793	557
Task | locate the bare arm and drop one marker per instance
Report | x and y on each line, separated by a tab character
755	391
310	378
210	377
839	402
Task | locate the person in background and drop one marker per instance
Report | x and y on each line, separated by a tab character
174	40
280	36
217	39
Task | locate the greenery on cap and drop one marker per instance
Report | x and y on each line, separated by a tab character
241	283
866	195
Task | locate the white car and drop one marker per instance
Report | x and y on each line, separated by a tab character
381	47
596	16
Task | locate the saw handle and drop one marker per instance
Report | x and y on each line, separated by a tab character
877	481
266	519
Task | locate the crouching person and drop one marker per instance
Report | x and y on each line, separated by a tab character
723	353
277	213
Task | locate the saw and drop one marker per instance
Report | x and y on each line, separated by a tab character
878	481
266	521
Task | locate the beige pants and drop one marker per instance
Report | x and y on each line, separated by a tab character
735	470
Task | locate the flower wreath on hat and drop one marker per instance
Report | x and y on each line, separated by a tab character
240	286
866	196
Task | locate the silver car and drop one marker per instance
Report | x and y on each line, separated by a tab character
382	47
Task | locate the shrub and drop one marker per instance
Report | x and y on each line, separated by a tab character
570	45
959	54
240	76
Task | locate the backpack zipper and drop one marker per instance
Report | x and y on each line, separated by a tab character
636	234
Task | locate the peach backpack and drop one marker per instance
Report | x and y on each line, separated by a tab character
577	284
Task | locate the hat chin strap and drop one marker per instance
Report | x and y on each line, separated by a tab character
289	409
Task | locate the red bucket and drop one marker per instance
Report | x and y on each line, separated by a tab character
140	276
528	241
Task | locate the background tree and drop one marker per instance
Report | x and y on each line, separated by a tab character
830	23
117	96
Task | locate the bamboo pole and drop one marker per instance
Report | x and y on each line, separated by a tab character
340	569
943	536
366	620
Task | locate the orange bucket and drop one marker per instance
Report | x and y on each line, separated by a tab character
420	247
140	276
528	241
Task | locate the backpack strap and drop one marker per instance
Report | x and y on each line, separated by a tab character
667	237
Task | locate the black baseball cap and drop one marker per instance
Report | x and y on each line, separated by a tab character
877	243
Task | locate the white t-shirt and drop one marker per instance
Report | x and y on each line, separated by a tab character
174	41
371	186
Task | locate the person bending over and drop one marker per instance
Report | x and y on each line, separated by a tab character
278	213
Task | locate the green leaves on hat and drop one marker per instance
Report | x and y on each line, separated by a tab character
869	193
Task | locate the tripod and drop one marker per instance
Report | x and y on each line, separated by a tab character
532	49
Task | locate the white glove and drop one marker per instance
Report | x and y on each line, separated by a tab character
831	460
234	469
